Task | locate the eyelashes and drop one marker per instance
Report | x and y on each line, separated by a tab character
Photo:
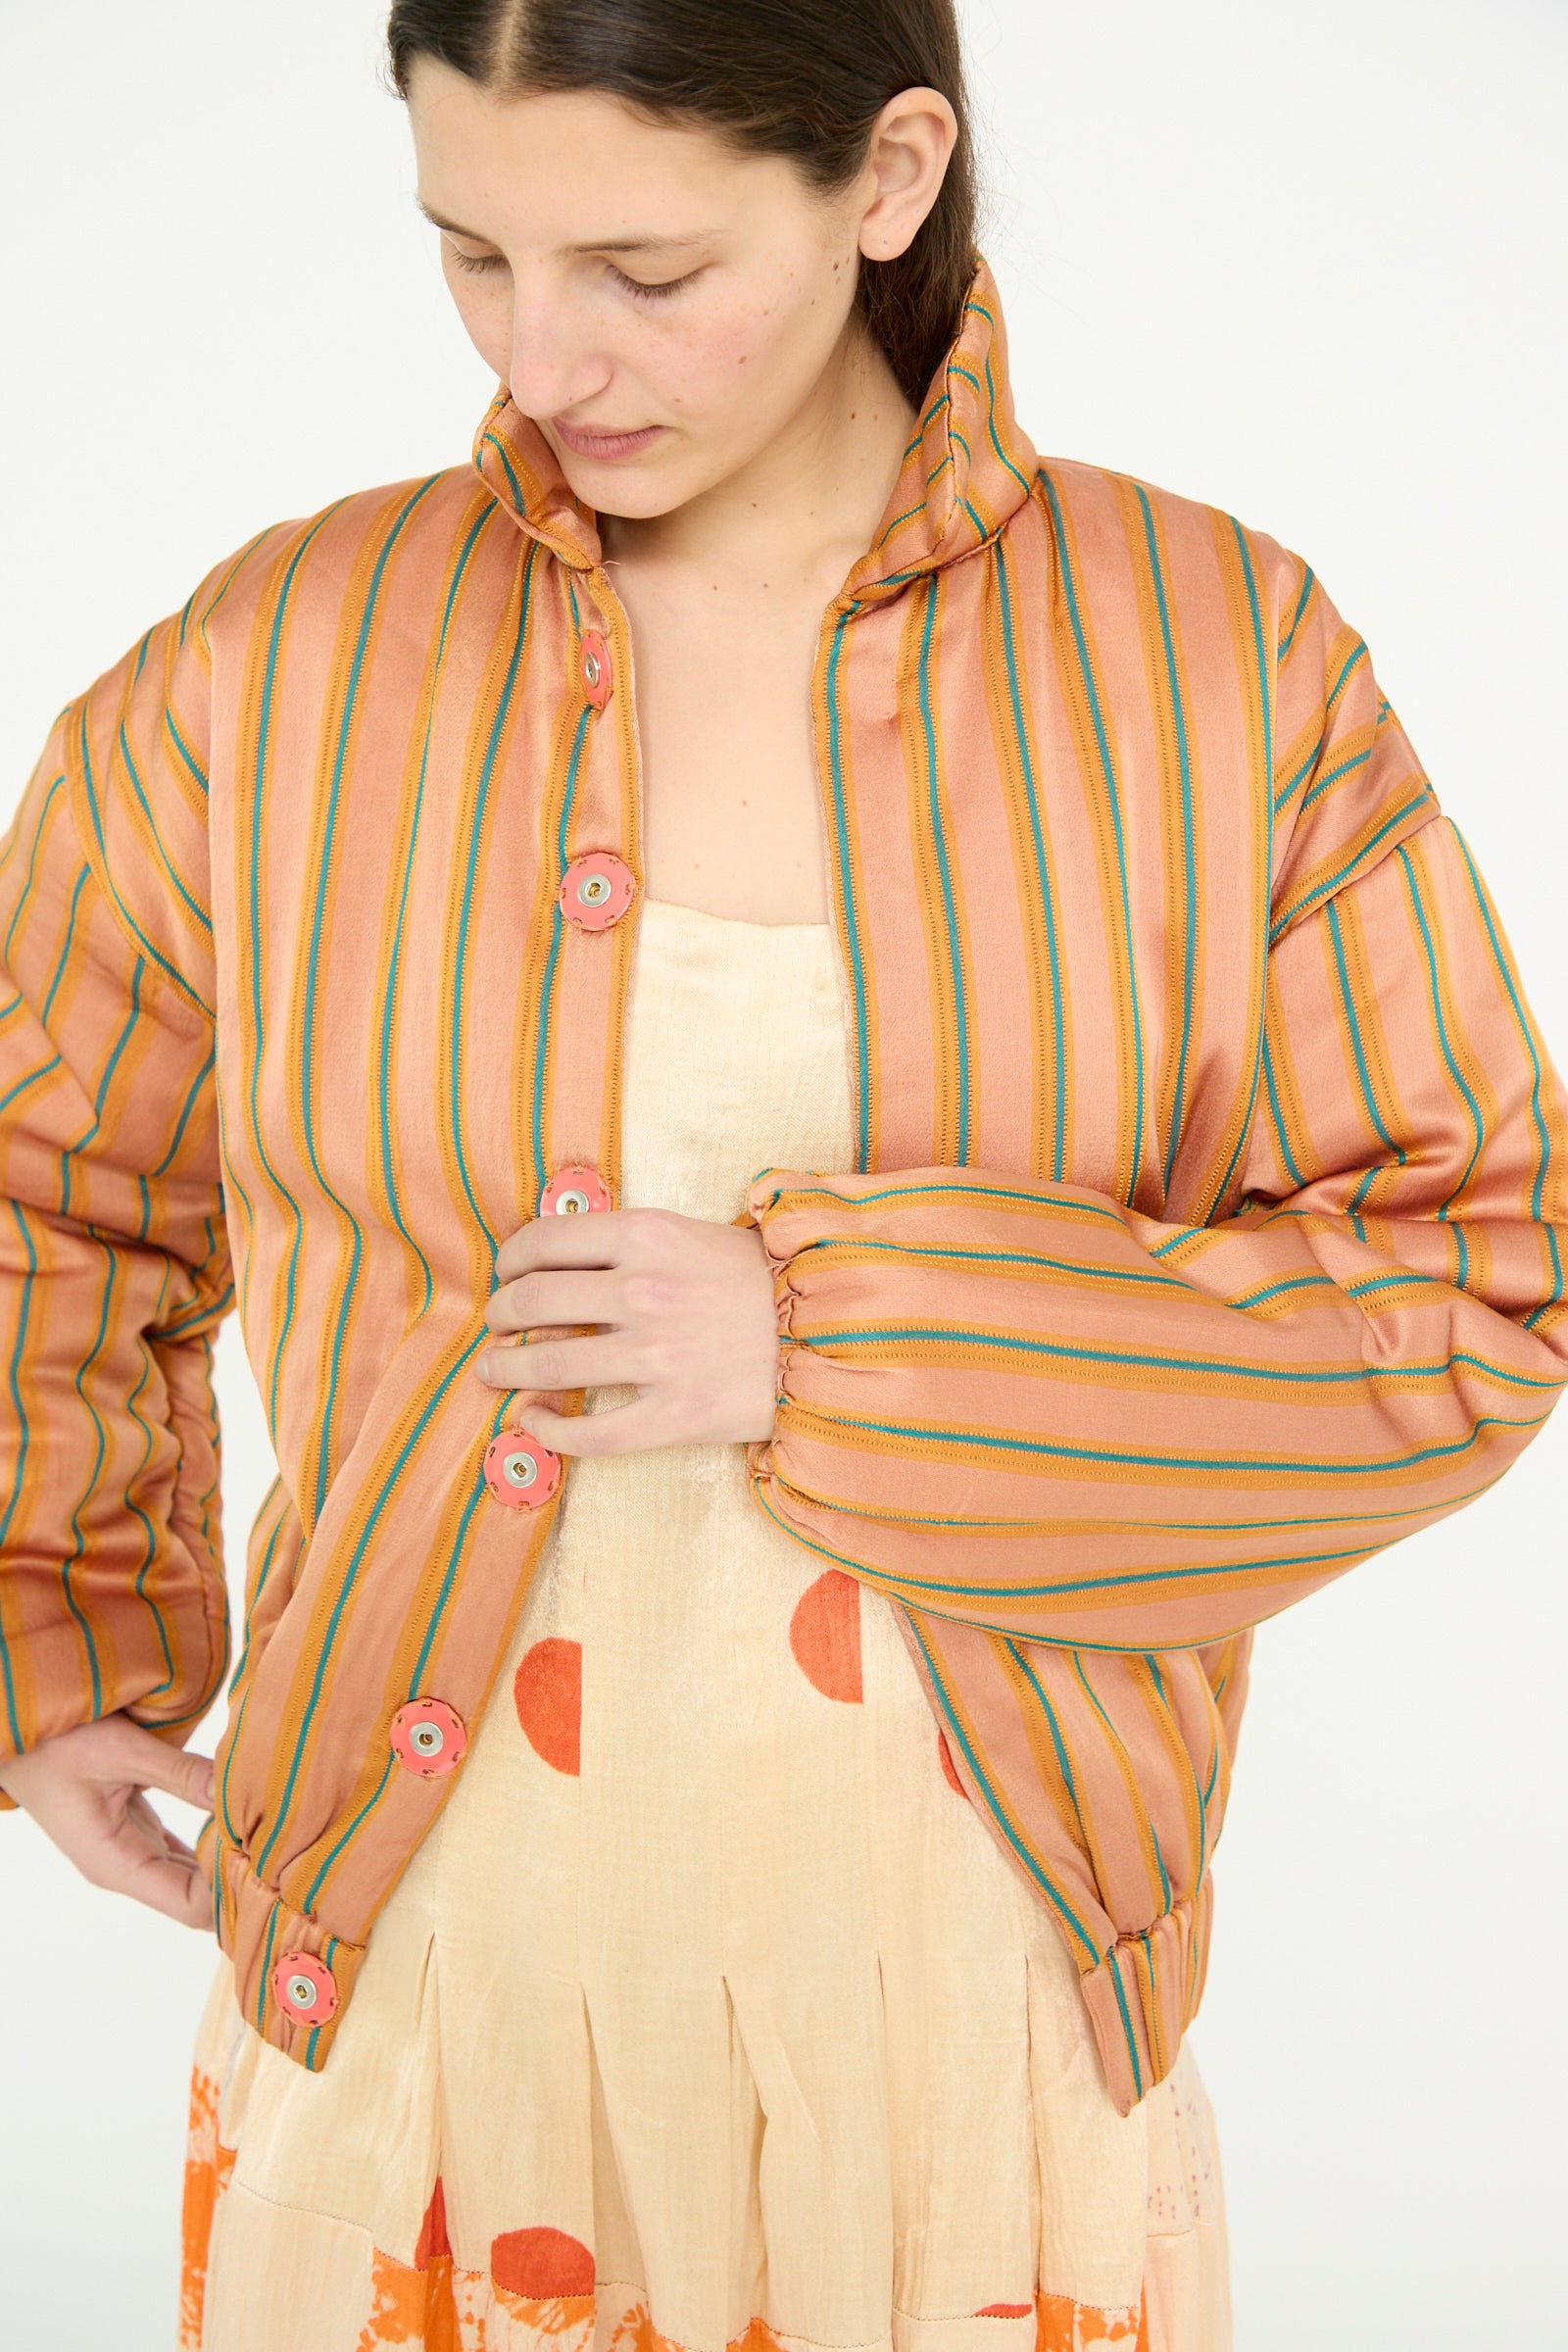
642	292
483	263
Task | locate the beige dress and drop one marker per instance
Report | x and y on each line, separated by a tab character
708	2012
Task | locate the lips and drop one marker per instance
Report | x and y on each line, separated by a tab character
606	447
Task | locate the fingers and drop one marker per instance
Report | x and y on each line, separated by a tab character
546	1299
173	1886
599	1240
602	1360
625	1428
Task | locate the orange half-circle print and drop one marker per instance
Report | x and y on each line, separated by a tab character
433	2245
825	1635
548	1692
950	1770
541	2265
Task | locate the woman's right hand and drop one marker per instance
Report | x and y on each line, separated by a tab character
84	1788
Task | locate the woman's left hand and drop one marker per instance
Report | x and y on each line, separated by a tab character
686	1316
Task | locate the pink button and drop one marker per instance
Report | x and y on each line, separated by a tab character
598	681
596	891
521	1472
428	1737
304	1988
571	1192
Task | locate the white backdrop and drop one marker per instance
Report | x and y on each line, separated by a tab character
1305	263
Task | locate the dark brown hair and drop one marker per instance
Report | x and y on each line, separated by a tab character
804	78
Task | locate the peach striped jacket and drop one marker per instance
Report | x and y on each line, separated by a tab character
1205	1232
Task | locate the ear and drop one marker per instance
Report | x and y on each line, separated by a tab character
907	160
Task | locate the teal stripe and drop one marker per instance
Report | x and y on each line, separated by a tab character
64	951
34	851
350	1571
546	984
1003	1257
960	1188
255	959
267	1970
354	1827
846	882
23	1447
1216	1465
328	1955
1048	905
1355	1374
170	972
1477	1123
1107	769
992	403
1058	1743
313	964
1308	583
1363	1074
1114	1740
897	1586
1537	1080
1265	703
1335	775
183	749
399	931
1277	1114
956	972
1326	890
1025	1853
199	913
1343	680
1188	850
1114	1962
150	1432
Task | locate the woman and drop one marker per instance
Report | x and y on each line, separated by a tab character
984	1071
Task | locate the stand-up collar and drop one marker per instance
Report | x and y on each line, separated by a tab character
968	468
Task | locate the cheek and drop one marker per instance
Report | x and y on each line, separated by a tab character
768	356
485	310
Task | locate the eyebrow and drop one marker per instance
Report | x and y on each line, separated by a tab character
593	245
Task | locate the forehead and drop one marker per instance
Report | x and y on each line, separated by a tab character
578	167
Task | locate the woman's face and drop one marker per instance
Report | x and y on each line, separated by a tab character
664	307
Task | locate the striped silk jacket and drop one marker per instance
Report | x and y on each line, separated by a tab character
1205	1232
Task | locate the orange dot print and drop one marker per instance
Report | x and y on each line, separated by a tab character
541	2264
825	1635
548	1692
949	1768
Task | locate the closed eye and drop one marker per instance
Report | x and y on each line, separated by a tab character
659	291
476	260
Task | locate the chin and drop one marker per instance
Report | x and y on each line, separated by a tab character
636	492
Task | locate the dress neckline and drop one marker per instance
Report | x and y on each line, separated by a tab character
696	916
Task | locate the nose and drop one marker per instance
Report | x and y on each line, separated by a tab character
554	368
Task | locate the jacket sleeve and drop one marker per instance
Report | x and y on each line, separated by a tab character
1028	1407
113	1260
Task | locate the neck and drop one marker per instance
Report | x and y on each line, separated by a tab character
808	503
